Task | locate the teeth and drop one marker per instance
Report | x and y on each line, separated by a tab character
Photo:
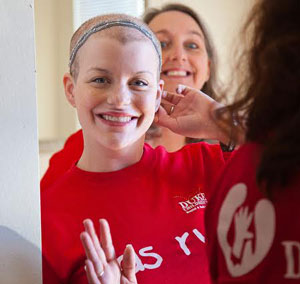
116	118
176	73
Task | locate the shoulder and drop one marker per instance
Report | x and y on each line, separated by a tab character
62	160
192	150
76	138
245	158
192	157
237	172
60	189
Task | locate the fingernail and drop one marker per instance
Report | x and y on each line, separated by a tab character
85	267
129	246
164	94
180	88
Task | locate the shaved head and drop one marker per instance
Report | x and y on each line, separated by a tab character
123	34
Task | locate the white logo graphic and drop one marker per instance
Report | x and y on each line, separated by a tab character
249	248
196	202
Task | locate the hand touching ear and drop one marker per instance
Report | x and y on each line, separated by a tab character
102	266
191	113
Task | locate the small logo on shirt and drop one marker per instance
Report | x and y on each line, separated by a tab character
196	202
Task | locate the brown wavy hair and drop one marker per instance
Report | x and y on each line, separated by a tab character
268	100
211	85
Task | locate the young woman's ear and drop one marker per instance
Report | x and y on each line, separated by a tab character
69	88
160	88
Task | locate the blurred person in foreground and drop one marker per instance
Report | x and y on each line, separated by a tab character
252	219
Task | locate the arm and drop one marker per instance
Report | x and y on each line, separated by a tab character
193	114
102	266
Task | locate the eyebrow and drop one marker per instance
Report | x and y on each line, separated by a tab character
99	69
148	72
140	72
197	33
108	72
163	31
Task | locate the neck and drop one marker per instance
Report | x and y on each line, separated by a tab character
96	158
170	140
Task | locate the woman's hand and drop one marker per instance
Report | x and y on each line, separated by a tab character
190	113
102	266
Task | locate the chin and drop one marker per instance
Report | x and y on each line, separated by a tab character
119	145
116	146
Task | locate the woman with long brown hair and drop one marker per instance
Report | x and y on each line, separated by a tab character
252	221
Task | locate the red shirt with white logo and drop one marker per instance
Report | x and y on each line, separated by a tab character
157	205
252	239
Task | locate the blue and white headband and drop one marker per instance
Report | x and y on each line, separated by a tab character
108	24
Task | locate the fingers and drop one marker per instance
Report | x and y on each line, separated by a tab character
128	264
166	102
162	118
106	240
185	90
172	98
167	106
89	228
93	257
182	88
181	92
90	273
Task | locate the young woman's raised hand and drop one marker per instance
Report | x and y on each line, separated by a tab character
190	112
102	266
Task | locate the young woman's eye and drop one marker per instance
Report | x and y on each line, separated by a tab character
192	45
140	83
163	44
100	80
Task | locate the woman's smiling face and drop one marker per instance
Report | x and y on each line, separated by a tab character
185	58
116	91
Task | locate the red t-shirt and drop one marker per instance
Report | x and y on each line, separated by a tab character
157	205
252	239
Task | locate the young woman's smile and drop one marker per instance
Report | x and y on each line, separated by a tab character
117	119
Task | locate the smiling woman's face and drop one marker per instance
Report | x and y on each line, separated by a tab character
185	59
115	99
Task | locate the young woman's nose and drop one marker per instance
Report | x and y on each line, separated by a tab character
119	96
177	53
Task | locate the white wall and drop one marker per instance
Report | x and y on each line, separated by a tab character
20	259
54	28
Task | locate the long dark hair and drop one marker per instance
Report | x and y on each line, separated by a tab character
268	104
